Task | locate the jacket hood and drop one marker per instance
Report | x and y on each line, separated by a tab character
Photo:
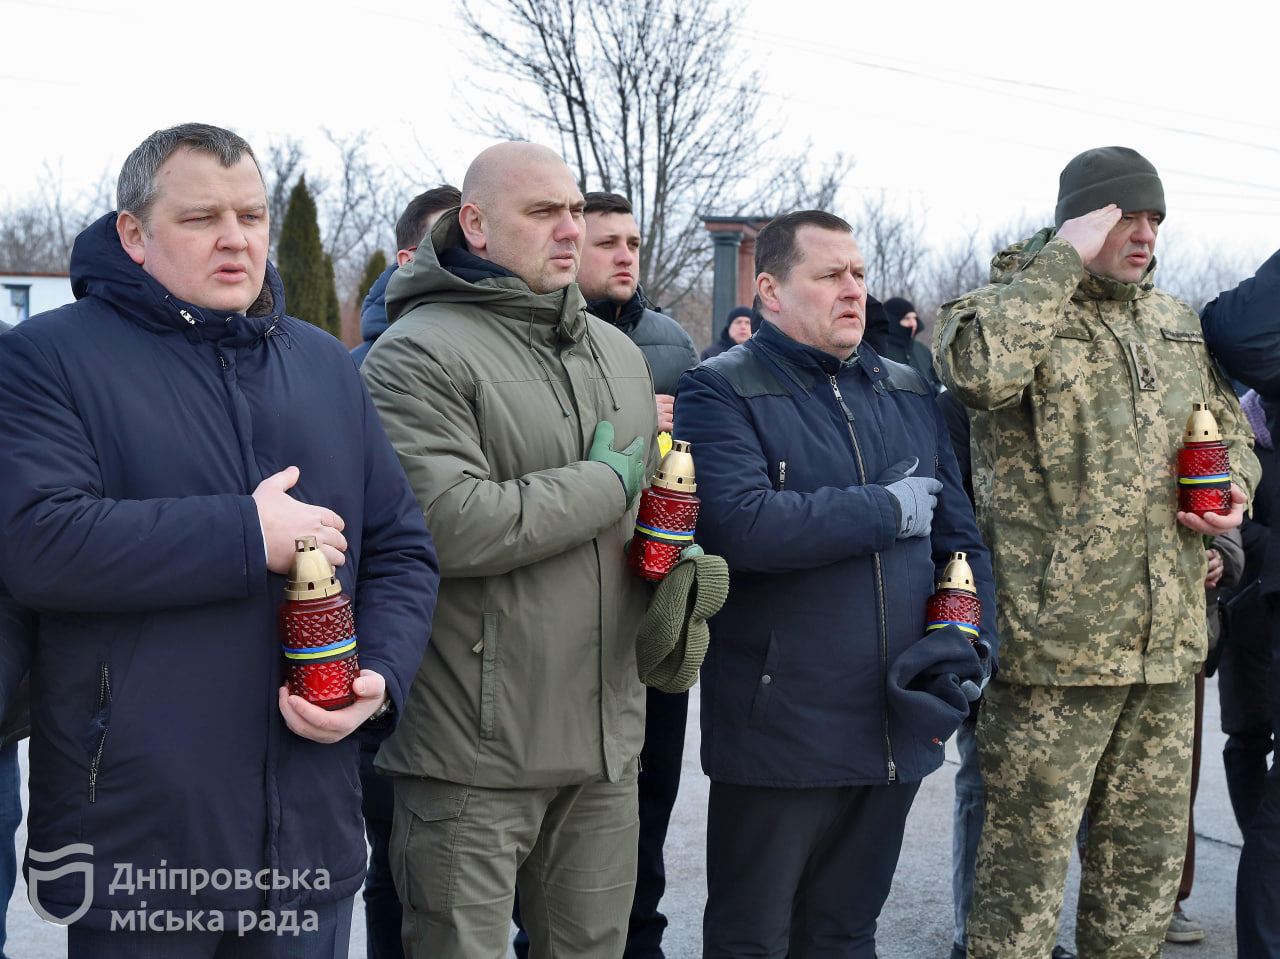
425	279
100	267
373	313
1012	259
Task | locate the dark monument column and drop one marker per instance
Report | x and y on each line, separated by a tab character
724	295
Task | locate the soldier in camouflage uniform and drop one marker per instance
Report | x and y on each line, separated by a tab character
1080	375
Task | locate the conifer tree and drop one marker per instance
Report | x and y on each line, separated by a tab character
306	272
332	309
376	266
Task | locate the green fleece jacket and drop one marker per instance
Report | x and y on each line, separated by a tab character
491	394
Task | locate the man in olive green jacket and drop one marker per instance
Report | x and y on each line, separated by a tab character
515	761
1080	377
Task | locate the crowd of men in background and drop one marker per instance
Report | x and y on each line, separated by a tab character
475	484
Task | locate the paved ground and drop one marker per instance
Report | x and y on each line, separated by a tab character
916	922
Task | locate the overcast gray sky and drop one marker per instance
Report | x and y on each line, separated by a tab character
963	113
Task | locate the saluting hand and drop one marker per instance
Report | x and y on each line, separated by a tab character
1087	233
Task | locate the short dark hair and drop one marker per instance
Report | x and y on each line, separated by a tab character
598	202
776	250
136	187
412	225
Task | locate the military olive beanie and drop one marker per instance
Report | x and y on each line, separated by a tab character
673	637
1108	175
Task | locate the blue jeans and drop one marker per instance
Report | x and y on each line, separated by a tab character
10	820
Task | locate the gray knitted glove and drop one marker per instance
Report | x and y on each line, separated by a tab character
915	497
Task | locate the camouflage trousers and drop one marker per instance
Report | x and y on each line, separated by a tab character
1048	753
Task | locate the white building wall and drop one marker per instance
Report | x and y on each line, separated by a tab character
23	295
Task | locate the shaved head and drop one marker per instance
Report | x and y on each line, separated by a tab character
492	169
522	209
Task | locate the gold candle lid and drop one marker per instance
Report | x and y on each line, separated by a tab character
311	576
958	575
675	472
1201	427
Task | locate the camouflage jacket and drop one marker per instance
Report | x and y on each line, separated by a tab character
1079	389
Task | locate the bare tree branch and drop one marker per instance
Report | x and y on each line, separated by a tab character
36	235
646	98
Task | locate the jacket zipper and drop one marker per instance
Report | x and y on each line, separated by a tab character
104	698
884	626
782	475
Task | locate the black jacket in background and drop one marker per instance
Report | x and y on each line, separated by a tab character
664	342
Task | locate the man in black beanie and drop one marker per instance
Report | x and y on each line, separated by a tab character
1080	376
740	326
902	344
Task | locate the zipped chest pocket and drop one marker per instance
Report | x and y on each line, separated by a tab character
782	476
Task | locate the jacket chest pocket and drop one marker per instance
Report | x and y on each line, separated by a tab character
1195	376
1082	372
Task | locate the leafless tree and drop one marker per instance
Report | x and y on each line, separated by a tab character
964	264
1196	273
646	98
356	199
359	209
794	186
36	234
956	268
893	247
281	167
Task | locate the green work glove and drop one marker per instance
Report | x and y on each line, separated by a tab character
628	464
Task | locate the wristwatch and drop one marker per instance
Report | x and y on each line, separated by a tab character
383	711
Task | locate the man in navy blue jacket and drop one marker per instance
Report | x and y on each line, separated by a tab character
165	439
1242	330
829	486
415	223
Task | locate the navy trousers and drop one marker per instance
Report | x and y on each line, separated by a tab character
800	873
1243	674
660	763
1258	878
382	912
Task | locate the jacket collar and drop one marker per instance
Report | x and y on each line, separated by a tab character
625	317
431	277
807	366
